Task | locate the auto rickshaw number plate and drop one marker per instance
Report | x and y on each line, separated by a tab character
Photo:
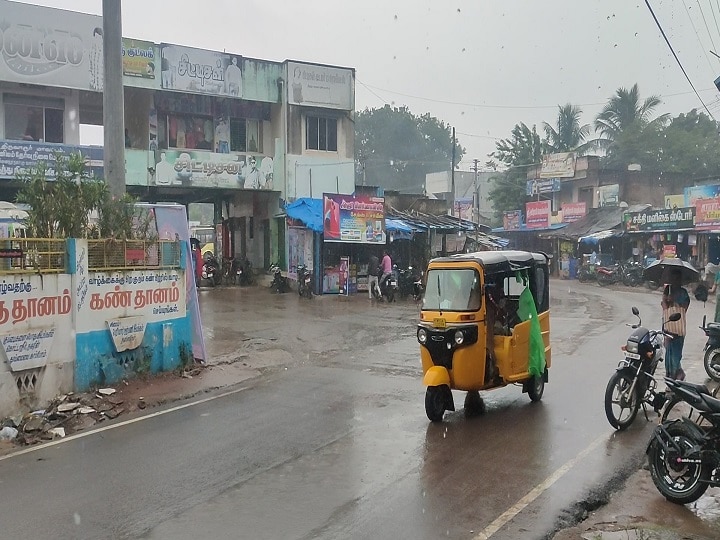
439	322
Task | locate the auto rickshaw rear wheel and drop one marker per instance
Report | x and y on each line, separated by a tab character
536	387
436	399
474	404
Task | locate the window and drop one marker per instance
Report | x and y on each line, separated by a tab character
245	135
321	133
453	290
34	119
191	132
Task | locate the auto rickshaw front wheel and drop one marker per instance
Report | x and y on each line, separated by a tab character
438	399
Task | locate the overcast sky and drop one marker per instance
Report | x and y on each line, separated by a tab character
479	65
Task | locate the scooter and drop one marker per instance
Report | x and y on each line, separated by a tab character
711	358
418	287
304	275
388	287
211	271
279	282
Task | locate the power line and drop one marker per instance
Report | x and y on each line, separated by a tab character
706	24
647	3
698	36
480	105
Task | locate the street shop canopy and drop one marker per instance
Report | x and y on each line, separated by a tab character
597	220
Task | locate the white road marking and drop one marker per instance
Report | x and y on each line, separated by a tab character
119	424
534	493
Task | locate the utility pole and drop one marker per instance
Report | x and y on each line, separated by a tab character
113	98
452	176
477	195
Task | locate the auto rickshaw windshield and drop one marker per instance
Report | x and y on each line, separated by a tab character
453	289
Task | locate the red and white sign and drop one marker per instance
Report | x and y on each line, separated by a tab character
573	211
707	214
537	214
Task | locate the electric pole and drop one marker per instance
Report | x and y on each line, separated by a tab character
113	99
452	176
476	198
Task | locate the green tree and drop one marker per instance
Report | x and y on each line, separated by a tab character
523	149
689	144
395	148
567	135
626	128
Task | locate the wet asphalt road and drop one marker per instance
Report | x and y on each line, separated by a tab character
331	439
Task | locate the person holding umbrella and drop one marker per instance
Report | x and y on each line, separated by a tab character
675	299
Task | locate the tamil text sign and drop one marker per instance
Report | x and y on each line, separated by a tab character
660	220
18	157
511	220
707	214
320	86
138	58
560	165
573	211
539	185
186	69
190	168
537	214
353	219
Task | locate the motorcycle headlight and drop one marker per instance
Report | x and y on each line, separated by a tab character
422	336
632	347
459	337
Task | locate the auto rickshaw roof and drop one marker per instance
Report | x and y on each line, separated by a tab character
499	261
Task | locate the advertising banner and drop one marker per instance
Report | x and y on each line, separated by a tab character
675	201
320	86
300	249
511	220
51	47
537	214
660	220
573	211
17	157
138	58
539	185
463	208
693	193
127	333
186	69
609	195
707	214
208	169
353	219
561	165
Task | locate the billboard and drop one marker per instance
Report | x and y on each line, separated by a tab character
573	211
138	59
538	186
608	195
320	86
561	165
18	157
707	214
186	69
463	208
51	47
537	214
660	220
693	193
511	220
208	169
353	219
675	201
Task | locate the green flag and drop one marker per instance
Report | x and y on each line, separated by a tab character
536	348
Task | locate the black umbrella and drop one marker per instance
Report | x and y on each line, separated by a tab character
659	271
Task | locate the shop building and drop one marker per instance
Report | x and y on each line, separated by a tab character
200	126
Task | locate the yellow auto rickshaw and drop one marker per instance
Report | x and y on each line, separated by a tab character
484	323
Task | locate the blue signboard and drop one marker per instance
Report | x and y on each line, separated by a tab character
694	193
542	185
16	157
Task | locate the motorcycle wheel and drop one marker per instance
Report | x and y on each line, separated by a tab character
678	483
436	402
582	277
604	280
711	362
652	285
621	408
390	296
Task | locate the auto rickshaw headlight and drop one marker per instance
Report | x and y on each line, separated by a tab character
422	336
459	337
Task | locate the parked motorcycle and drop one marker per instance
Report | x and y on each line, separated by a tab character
406	281
304	277
418	287
609	275
231	271
245	275
711	358
279	282
211	270
633	383
632	274
683	455
586	273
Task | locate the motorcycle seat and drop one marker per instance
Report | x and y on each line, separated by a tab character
714	326
713	403
700	388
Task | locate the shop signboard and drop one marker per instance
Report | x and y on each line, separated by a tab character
669	251
662	219
540	185
51	47
18	157
198	71
560	165
138	59
675	201
609	195
537	214
358	220
511	220
693	193
573	211
320	86
197	168
463	208
707	214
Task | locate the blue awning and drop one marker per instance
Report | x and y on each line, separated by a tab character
398	229
307	210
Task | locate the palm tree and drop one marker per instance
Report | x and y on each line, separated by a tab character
568	135
624	113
